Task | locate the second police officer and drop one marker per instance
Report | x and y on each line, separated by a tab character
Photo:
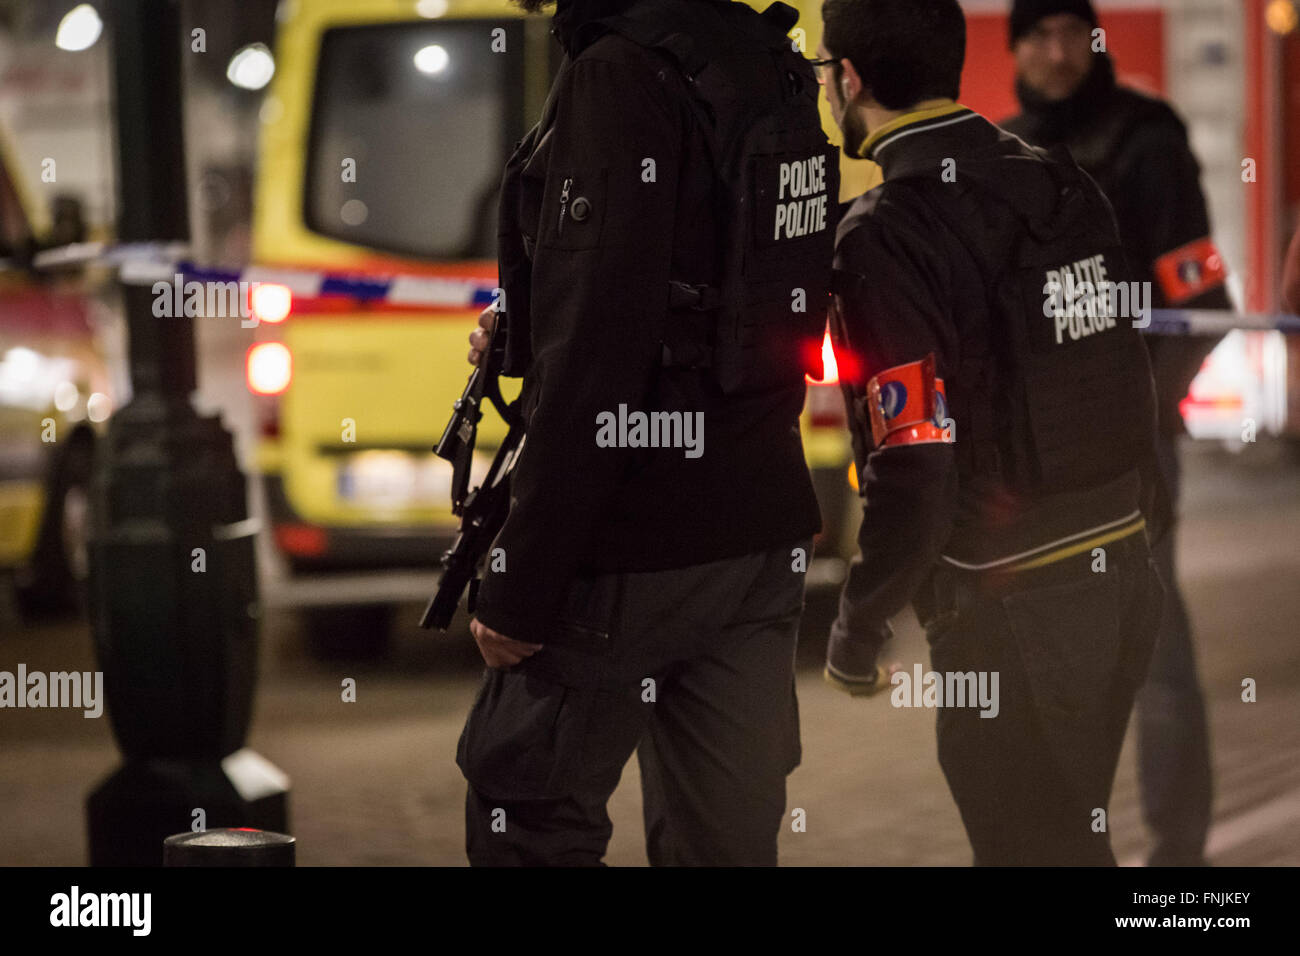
1003	413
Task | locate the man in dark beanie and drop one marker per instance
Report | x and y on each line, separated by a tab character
1025	14
1136	148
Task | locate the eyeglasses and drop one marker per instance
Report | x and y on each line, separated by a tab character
817	67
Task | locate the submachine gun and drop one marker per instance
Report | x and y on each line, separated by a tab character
482	511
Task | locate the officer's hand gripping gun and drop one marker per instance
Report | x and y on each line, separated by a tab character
482	511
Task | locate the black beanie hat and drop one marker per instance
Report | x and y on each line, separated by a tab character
1026	13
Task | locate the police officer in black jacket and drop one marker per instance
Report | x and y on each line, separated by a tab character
1136	147
650	586
1002	412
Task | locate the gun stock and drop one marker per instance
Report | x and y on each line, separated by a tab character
482	515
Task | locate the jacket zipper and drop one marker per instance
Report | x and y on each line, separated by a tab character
564	204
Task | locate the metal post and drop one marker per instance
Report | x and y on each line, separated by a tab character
173	589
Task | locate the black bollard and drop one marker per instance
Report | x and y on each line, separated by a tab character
173	588
229	846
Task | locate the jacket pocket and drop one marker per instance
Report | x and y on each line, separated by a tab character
589	614
578	649
573	214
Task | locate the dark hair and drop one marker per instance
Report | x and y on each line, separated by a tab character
906	51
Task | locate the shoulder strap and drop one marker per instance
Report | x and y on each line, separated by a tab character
974	381
649	28
652	27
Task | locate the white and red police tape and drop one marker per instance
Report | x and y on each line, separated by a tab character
144	263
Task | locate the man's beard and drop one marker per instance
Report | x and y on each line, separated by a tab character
855	133
532	6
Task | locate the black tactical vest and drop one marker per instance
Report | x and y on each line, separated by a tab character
1056	394
759	324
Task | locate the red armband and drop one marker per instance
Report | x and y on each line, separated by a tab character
1189	270
907	405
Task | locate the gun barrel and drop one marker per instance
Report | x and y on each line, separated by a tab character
451	585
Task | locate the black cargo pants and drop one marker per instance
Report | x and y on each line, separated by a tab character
693	665
1071	646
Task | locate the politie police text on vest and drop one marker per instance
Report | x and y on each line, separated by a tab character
804	183
1083	301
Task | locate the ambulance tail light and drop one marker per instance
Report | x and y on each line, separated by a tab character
270	302
301	540
269	368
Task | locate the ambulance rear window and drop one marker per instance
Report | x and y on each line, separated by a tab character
411	126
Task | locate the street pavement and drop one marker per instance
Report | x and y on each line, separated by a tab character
374	782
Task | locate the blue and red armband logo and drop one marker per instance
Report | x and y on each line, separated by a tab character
907	405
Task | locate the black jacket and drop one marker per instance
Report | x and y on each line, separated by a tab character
1136	148
597	299
924	293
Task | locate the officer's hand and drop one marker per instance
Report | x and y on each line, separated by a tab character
478	339
851	660
499	650
862	687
